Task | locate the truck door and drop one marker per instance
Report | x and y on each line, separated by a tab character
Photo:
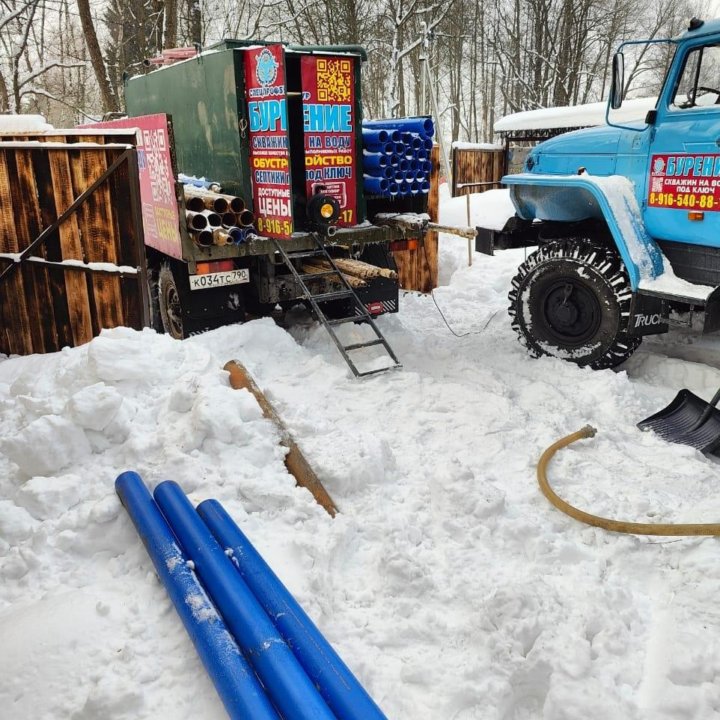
683	186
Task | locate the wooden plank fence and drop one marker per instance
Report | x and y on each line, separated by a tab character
72	258
418	269
476	169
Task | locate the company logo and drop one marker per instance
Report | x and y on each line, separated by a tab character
648	320
266	68
658	165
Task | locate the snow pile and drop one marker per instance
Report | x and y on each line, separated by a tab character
13	124
575	116
447	583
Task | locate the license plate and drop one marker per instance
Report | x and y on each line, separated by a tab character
219	279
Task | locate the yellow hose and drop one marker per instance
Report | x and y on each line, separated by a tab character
606	523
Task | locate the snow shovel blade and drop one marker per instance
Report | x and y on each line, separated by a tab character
676	423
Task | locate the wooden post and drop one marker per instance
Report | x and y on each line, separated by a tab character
295	461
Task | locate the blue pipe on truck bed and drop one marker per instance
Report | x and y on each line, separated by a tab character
234	679
285	681
340	688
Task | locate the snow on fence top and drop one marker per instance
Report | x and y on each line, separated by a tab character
12	124
575	116
459	145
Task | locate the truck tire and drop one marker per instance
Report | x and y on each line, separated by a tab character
169	302
571	299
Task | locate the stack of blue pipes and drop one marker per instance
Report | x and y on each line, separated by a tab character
396	156
265	656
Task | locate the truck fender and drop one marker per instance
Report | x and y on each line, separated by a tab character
573	198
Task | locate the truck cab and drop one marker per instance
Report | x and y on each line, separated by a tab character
627	216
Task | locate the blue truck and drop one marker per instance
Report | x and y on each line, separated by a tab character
626	218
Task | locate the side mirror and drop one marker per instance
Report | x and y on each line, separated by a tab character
618	81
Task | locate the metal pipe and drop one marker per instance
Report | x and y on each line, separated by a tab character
337	684
222	237
195	204
195	220
213	219
237	204
234	679
286	683
204	238
211	200
228	219
245	218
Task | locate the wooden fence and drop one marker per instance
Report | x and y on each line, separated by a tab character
476	169
72	258
418	269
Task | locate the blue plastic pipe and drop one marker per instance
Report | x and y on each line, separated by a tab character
340	688
373	161
375	184
387	148
375	136
428	144
234	679
286	683
393	189
419	125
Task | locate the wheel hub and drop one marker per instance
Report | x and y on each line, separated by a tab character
174	311
571	311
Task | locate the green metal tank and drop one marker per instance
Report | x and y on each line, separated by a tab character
206	99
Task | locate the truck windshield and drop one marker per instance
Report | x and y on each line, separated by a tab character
699	83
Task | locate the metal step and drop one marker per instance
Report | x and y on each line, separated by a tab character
379	370
336	295
310	276
343	321
362	315
303	253
357	346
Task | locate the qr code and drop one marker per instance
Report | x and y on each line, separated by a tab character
334	80
657	185
161	183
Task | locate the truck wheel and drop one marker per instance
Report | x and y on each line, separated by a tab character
571	299
169	301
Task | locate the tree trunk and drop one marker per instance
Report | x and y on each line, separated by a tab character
109	99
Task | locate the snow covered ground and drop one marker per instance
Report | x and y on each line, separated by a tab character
447	583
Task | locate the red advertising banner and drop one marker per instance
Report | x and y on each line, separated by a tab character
269	149
328	95
157	182
685	181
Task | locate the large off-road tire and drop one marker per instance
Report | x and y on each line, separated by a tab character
571	299
169	301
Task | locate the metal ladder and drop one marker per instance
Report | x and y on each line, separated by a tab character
360	316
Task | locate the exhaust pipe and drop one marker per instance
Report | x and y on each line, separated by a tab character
343	693
285	681
234	679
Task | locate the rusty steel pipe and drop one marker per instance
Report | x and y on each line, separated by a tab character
245	218
213	219
204	238
195	220
222	237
